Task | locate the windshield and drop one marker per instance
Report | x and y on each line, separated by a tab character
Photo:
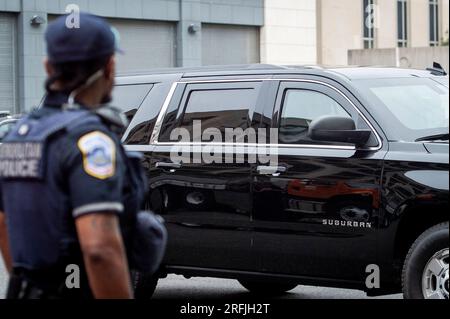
442	80
408	108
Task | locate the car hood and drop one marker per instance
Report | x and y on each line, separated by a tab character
436	148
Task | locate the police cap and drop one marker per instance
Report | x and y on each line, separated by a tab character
91	37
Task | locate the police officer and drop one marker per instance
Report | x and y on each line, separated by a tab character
68	192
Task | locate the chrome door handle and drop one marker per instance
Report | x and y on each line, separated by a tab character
271	170
168	166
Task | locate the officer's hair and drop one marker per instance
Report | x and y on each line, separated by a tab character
72	75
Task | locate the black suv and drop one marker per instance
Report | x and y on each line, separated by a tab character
356	196
6	124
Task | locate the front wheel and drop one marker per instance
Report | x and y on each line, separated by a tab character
425	272
264	288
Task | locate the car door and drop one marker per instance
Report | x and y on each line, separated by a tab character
315	210
205	201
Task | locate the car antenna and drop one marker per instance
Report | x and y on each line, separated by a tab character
437	69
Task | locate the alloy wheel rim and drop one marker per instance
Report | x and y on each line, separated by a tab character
435	276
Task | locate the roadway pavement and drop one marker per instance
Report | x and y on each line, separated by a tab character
176	287
3	279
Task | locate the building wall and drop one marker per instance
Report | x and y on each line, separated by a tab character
293	32
419	23
289	32
416	58
151	14
386	36
338	35
340	29
445	23
229	44
8	94
147	44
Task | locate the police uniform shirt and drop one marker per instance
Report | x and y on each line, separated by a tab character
84	173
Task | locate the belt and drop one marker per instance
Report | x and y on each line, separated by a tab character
48	277
20	287
43	284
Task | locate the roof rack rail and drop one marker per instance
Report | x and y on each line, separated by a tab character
209	68
437	69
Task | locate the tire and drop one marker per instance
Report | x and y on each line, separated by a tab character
425	272
268	289
144	286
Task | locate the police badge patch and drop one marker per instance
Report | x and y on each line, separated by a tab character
99	155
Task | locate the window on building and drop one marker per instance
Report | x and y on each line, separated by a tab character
368	24
402	23
434	23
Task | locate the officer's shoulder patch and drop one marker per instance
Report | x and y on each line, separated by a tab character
99	154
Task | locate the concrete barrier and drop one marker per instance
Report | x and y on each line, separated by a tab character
415	58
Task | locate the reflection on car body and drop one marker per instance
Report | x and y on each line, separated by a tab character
335	203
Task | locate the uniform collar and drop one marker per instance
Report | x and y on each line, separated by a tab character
55	99
111	116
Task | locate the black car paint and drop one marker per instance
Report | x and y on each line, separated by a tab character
258	226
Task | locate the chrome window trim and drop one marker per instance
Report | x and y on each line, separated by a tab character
162	114
250	145
148	148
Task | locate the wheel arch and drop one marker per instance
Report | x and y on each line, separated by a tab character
413	223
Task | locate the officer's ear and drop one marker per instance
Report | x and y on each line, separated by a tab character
48	68
110	69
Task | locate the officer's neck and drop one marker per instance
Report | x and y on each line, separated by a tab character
90	97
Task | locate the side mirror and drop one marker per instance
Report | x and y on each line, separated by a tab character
337	129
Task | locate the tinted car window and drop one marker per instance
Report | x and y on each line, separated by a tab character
300	108
406	102
217	109
441	79
408	108
128	98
